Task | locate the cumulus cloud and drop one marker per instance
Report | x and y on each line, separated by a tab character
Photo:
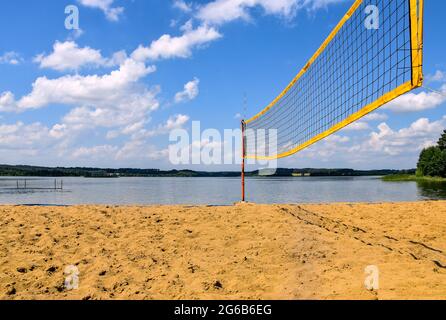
326	148
77	89
211	16
413	102
190	92
137	146
168	47
138	131
223	11
138	149
20	136
10	57
375	116
357	126
68	56
174	122
319	4
123	114
417	136
75	34
7	102
116	101
385	145
182	5
112	13
438	76
104	151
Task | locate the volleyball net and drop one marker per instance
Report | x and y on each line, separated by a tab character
373	55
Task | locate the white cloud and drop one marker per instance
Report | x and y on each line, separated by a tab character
167	47
155	154
326	148
337	138
11	57
223	11
111	13
413	102
20	136
211	15
116	101
105	151
357	126
139	149
319	4
68	56
75	89
58	131
123	114
190	92
7	102
375	116
439	76
182	5
134	127
75	34
174	122
417	136
138	131
384	147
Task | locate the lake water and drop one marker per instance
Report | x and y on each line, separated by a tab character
215	191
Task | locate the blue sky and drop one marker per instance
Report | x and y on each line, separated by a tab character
109	95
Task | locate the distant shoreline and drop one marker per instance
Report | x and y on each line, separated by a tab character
36	171
411	178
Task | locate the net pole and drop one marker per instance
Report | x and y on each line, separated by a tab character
243	125
421	34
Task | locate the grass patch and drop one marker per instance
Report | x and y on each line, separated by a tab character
409	177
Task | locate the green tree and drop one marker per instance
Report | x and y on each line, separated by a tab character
432	162
442	141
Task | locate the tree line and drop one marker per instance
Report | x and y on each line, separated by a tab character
432	161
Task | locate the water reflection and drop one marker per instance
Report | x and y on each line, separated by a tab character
216	191
432	189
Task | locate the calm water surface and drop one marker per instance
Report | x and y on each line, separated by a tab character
216	191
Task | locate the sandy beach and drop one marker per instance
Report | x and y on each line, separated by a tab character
244	251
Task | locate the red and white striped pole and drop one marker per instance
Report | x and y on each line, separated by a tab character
243	159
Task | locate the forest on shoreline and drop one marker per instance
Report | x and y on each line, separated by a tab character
35	171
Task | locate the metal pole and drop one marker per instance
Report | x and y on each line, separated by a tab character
243	159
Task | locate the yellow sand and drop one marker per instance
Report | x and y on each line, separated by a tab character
237	252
